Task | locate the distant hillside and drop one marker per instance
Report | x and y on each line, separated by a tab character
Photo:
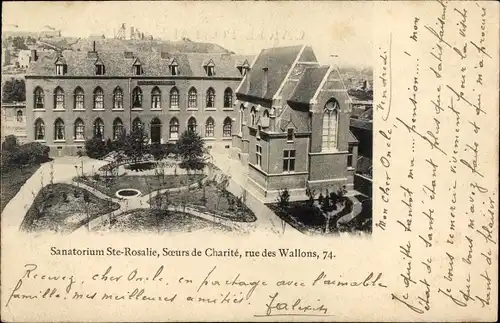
85	44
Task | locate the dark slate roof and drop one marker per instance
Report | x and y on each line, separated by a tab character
308	84
189	64
278	60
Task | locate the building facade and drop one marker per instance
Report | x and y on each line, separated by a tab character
293	124
73	96
14	121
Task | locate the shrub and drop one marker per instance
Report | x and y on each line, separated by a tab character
65	197
96	177
96	148
10	143
76	193
33	153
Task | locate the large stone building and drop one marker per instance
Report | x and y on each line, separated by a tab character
73	96
293	124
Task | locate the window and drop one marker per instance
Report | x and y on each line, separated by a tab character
192	124
174	128
330	123
258	155
289	135
117	128
58	99
137	69
60	69
79	130
289	160
38	98
349	155
118	99
174	69
155	99
137	98
241	118
252	116
226	128
79	99
228	98
19	115
99	68
209	128
137	124
39	130
98	99
59	130
192	99
98	128
210	98
210	70
174	99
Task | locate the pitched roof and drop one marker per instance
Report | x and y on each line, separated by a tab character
278	60
189	64
308	84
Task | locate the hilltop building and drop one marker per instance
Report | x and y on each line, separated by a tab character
293	124
73	96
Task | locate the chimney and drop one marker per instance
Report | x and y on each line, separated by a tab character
93	46
264	81
33	57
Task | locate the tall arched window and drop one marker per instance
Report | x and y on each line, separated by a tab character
38	98
19	115
155	129
266	114
155	98
174	128
228	98
253	114
39	130
59	131
79	99
118	99
192	124
209	128
192	98
137	98
242	110
98	99
79	130
117	128
98	128
330	126
58	99
137	124
227	127
174	99
210	98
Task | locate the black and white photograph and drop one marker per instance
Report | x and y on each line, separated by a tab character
118	125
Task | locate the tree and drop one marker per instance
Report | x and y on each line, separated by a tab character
191	150
10	143
310	194
135	144
14	90
283	200
18	42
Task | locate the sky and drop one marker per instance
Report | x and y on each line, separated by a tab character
339	28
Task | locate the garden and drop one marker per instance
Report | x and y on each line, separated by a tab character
64	208
331	213
158	221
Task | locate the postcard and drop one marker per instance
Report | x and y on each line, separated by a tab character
249	161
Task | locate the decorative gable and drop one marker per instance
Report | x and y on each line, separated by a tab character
209	67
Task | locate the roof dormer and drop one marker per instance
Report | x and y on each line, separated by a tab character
61	66
209	68
137	67
100	69
243	67
174	67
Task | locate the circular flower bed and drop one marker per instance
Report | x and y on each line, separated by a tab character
128	193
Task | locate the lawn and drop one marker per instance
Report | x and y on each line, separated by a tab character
12	181
143	183
148	220
222	205
310	220
62	208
